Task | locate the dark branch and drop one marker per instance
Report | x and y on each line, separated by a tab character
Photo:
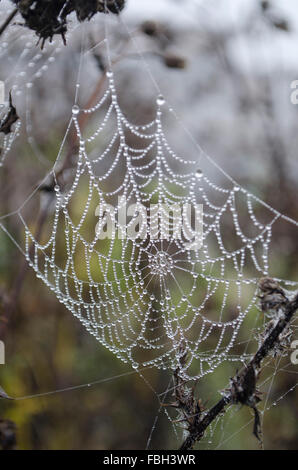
243	385
49	18
8	21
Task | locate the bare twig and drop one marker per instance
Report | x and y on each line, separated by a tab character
8	21
83	122
243	385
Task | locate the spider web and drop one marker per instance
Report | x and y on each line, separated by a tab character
144	299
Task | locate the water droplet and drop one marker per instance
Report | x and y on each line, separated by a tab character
199	173
75	110
160	100
109	74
